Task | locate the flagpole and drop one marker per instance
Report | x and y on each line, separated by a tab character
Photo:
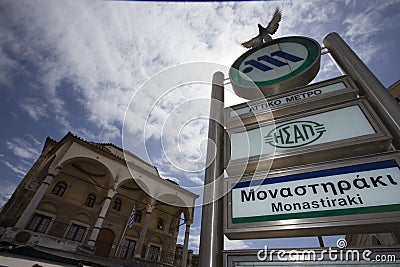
123	234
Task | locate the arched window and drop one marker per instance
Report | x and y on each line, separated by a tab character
76	232
39	223
90	199
128	249
160	224
59	189
117	204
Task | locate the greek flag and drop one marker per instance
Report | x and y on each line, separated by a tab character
131	218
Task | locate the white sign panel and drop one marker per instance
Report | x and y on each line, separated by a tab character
289	99
358	189
315	129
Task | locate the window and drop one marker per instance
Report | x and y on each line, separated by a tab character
59	189
128	249
90	200
160	224
153	253
117	204
138	216
39	223
76	233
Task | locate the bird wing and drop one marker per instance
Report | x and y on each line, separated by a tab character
253	42
274	23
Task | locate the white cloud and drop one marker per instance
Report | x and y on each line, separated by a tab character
363	25
197	180
24	149
194	239
105	50
20	171
35	108
5	193
236	244
34	140
7	66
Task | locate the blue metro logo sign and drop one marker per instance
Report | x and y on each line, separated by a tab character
270	59
273	67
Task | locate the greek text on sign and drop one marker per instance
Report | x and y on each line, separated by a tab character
295	134
289	99
315	129
358	189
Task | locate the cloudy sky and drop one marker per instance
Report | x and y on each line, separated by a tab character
80	65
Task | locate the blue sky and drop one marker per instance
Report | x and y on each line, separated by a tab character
75	65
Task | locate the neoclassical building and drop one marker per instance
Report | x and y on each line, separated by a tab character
81	197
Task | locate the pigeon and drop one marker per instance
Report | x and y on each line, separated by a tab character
264	34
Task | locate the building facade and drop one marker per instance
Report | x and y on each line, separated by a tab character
81	197
372	240
394	90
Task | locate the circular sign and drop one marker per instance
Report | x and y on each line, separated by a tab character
275	66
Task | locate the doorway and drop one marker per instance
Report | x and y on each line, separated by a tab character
104	242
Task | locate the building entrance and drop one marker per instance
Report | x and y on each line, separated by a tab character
104	242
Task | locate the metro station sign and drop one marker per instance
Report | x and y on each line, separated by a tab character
365	188
349	195
275	66
292	101
306	137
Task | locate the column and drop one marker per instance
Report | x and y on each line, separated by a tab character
212	230
100	219
145	224
30	209
185	245
380	99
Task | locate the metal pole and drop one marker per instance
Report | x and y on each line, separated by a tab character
123	234
212	234
377	95
185	245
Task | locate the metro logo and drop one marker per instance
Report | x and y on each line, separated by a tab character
295	134
269	59
273	67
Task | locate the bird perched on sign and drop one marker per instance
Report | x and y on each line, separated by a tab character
264	34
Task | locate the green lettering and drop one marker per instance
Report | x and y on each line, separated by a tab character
278	136
297	134
287	135
311	130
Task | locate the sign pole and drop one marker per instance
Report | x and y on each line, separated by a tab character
378	96
212	233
